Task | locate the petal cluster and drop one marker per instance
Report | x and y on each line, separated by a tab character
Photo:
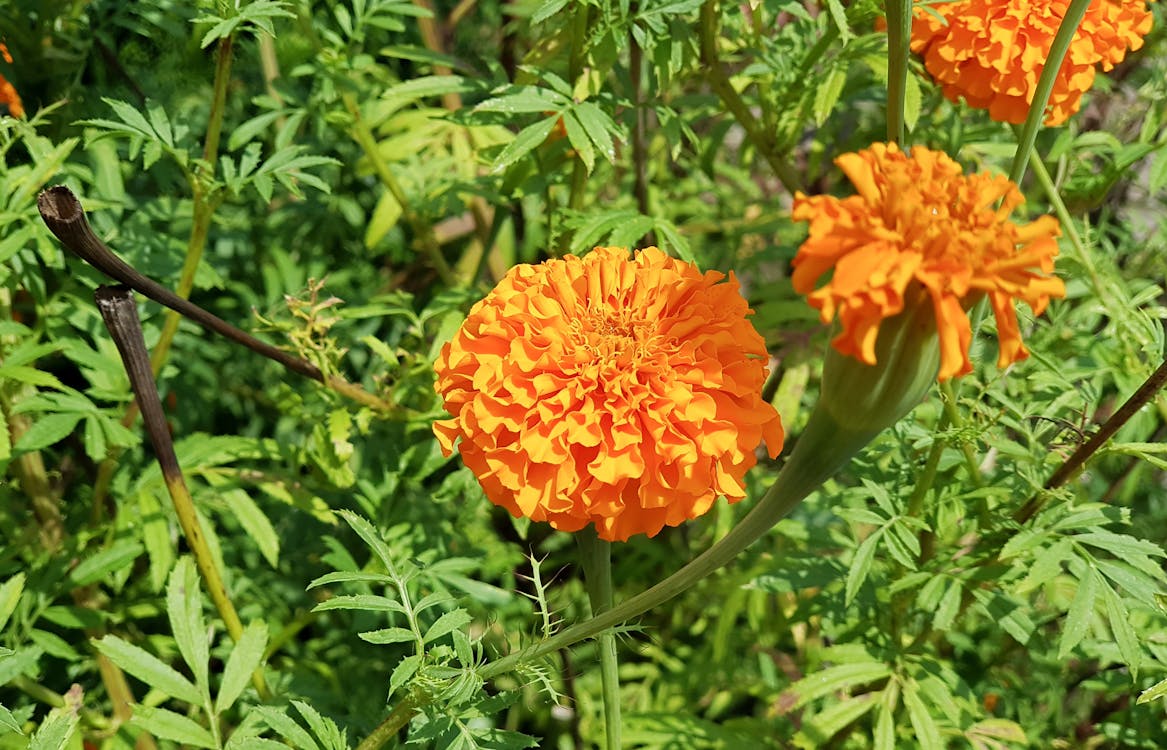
921	232
991	52
608	390
8	94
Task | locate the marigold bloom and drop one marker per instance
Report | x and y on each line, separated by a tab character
8	93
920	232
991	52
624	393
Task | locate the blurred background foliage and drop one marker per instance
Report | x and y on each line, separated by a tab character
380	165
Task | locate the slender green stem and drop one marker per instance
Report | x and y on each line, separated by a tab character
729	96
596	559
394	723
899	35
955	418
426	239
206	199
579	38
1045	85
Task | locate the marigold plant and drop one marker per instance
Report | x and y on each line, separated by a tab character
607	390
992	53
921	232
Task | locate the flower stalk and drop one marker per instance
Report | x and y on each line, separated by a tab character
899	34
596	559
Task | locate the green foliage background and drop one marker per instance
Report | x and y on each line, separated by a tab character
400	158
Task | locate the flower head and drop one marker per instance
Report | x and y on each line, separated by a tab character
8	95
991	52
919	232
607	390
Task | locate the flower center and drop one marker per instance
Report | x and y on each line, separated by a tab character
613	336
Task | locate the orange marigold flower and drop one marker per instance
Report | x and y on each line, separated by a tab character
8	93
920	232
624	393
991	52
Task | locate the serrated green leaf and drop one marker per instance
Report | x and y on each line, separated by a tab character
255	523
1046	564
325	729
97	566
245	658
287	728
912	101
840	677
827	93
184	608
927	733
24	661
839	16
404	670
370	602
948	608
155	528
578	137
46	431
448	622
56	731
527	140
388	635
372	539
861	565
148	668
168	725
1155	692
344	576
9	722
1080	613
826	723
1124	633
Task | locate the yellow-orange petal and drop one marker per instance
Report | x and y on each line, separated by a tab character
922	233
607	390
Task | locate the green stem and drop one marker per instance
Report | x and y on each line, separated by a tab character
1045	85
596	559
899	35
205	200
957	421
804	472
579	34
426	239
729	96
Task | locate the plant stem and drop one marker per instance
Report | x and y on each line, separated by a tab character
424	233
899	35
733	101
639	131
1045	84
120	314
205	199
957	421
596	559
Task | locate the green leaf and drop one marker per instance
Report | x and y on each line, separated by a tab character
56	731
255	522
579	140
148	668
9	722
447	623
530	99
861	564
912	101
949	607
1124	634
287	728
184	607
528	139
97	566
370	602
168	725
10	593
817	730
46	431
155	528
245	658
839	16
1155	692
1046	564
404	670
385	216
927	733
599	127
1080	613
24	661
840	677
389	635
827	93
324	728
